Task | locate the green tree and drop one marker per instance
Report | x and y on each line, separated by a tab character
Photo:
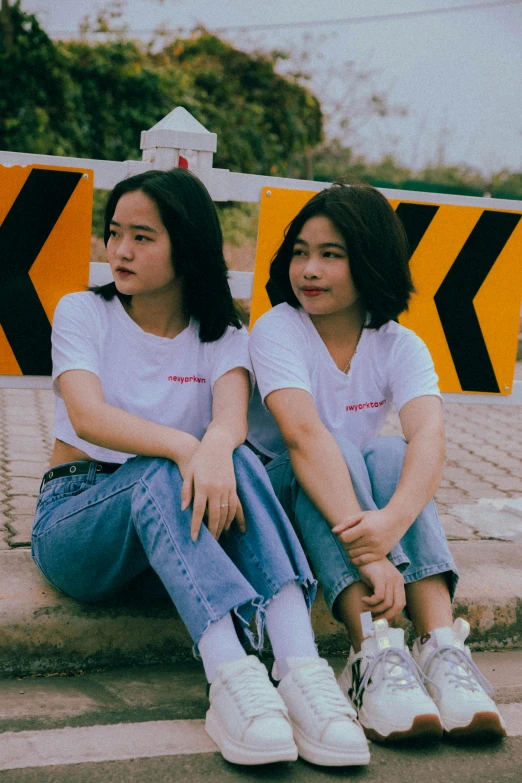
262	119
121	92
36	90
6	26
93	99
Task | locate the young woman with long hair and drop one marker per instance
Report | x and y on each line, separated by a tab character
152	380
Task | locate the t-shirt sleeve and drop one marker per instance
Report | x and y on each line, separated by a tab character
411	372
229	352
75	337
278	353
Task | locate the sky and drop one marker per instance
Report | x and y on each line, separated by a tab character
458	73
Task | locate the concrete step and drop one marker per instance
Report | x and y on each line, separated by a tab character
43	631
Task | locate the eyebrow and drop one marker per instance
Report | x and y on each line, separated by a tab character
300	241
136	226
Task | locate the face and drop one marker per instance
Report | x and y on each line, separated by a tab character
139	248
320	270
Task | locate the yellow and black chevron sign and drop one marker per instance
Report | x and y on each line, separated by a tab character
467	268
45	234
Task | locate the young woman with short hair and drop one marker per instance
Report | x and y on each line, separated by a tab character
330	361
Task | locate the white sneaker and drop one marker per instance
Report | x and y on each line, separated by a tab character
385	686
325	725
248	719
458	688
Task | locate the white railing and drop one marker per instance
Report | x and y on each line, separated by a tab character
181	135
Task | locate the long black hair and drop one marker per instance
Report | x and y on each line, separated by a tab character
190	218
378	250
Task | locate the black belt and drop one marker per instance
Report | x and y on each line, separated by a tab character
78	468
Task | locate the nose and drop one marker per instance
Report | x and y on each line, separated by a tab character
312	267
124	249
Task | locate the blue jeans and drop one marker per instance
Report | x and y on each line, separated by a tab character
93	533
375	471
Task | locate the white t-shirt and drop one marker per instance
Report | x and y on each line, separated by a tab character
164	380
391	366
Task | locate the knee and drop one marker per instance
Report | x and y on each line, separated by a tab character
385	453
159	465
160	472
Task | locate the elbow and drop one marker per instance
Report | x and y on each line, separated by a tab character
301	437
82	431
83	424
243	433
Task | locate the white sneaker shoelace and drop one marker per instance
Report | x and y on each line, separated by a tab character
398	668
461	670
320	688
254	694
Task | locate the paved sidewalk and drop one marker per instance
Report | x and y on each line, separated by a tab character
483	473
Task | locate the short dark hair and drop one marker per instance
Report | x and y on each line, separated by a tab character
189	215
378	250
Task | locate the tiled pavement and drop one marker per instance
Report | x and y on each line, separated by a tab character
484	460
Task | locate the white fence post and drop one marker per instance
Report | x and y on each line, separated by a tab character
180	140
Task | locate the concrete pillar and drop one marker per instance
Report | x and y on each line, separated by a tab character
180	140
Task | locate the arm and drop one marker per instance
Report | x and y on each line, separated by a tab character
315	457
95	421
322	473
210	477
371	534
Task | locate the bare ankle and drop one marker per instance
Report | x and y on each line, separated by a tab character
349	606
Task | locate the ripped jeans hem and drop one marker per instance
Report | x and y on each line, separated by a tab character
243	612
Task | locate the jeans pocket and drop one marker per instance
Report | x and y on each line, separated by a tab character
53	494
61	488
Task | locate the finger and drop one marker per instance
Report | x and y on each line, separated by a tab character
383	606
352	535
348	523
399	599
232	508
240	517
357	551
224	510
362	560
376	597
214	512
391	613
187	489
198	512
372	600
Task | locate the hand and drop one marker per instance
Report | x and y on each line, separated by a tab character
387	583
369	536
209	481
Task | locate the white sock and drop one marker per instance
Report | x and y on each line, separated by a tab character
289	628
219	644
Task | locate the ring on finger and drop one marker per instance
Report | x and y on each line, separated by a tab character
224	505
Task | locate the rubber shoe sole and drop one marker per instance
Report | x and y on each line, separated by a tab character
239	753
483	726
324	756
423	727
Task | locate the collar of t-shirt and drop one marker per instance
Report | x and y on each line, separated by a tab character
138	333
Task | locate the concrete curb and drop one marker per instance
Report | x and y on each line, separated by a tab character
43	631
